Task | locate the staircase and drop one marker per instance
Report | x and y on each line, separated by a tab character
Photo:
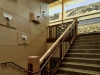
83	57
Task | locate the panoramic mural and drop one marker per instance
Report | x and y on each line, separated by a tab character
83	9
54	16
79	10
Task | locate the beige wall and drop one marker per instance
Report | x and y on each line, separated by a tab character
12	47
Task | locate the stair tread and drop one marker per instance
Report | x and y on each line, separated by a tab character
86	53
82	58
61	74
83	64
85	45
87	39
80	71
84	49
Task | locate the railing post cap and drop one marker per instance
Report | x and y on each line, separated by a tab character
33	59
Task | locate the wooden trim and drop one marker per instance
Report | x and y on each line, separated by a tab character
58	2
50	40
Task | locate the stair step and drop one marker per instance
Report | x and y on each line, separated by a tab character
72	71
85	43
94	37
61	74
85	47
84	66
87	40
83	55
84	51
88	36
82	60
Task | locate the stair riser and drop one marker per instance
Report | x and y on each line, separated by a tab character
94	37
71	72
90	40
81	67
83	61
82	55
88	36
85	47
83	51
82	43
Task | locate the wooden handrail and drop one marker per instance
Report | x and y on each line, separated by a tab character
57	41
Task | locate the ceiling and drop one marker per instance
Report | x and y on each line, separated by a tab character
57	2
50	1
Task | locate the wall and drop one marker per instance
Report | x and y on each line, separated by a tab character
12	47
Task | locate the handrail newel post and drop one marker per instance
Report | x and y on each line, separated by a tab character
35	64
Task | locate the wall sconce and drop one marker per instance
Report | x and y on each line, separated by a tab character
24	37
38	18
44	14
8	17
35	18
8	21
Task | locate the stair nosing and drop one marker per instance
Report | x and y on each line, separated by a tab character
80	70
83	64
85	53
85	45
81	58
84	49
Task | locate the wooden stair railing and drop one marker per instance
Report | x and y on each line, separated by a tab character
71	31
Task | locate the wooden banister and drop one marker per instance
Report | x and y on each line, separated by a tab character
57	41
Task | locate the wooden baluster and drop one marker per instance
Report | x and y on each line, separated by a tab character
56	31
76	29
60	50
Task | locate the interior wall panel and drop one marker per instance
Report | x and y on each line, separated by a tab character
3	20
23	25
14	53
38	30
37	40
25	2
15	7
35	6
8	36
43	3
38	50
